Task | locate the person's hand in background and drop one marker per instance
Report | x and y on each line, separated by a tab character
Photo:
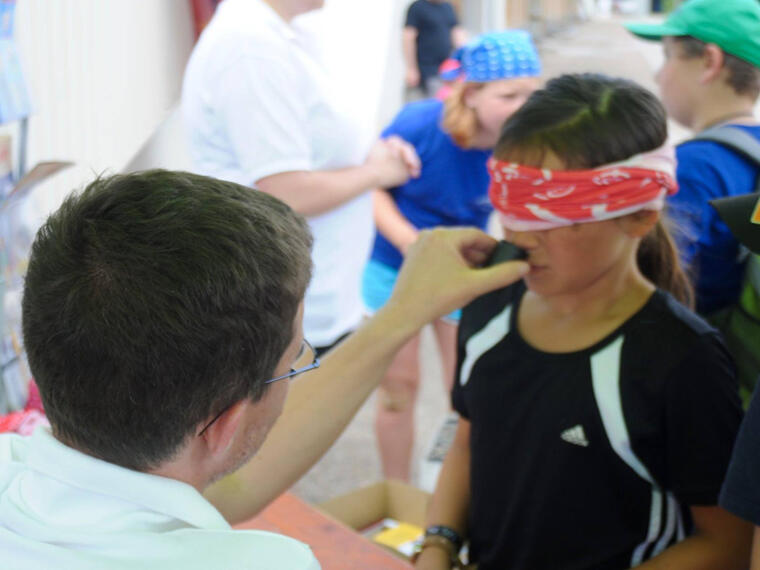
393	161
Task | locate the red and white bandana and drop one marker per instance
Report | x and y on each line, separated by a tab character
529	199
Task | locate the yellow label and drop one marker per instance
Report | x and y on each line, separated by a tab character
398	535
755	219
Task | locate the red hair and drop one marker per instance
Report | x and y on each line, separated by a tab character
459	120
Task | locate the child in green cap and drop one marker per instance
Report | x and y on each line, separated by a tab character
710	78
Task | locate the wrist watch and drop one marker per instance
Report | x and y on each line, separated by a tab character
444	538
446	532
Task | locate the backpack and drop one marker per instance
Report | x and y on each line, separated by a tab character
740	323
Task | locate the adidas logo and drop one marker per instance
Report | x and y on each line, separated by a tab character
575	435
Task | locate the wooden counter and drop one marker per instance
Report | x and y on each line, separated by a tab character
336	546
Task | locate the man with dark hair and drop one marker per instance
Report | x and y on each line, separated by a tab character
163	319
129	261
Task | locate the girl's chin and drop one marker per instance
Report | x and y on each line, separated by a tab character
537	281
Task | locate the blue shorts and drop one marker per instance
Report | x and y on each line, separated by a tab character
377	284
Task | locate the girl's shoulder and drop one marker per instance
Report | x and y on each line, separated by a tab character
663	328
672	317
487	307
668	333
416	120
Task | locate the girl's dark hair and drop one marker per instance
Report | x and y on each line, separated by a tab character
588	120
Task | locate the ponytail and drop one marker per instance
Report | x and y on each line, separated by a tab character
658	261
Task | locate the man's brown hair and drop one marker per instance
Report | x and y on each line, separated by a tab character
153	301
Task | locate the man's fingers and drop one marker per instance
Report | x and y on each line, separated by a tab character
402	149
411	159
497	276
441	273
474	245
393	148
476	257
394	141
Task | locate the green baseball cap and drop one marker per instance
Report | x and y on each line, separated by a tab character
733	25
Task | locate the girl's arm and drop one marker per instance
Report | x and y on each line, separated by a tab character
756	549
721	541
451	498
409	49
392	223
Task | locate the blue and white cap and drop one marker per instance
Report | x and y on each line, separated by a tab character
496	55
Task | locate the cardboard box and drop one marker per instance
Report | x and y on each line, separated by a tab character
374	511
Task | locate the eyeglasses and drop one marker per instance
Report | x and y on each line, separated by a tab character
306	360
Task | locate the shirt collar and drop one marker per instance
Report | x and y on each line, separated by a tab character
171	497
259	12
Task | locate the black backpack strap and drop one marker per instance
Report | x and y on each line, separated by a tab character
736	139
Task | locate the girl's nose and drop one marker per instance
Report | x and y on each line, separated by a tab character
525	240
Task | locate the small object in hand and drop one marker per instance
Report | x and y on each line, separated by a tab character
505	251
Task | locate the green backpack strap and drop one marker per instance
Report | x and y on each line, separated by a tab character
740	323
739	141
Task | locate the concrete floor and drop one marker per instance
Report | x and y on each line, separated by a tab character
599	46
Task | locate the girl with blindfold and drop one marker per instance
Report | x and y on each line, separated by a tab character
597	412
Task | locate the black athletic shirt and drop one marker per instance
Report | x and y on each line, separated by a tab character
590	459
433	22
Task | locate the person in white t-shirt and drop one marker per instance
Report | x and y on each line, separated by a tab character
162	318
261	110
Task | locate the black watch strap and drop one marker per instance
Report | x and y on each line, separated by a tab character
446	532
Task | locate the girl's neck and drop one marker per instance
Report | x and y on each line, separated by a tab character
574	321
602	296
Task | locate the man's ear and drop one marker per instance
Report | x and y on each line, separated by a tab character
713	59
639	224
220	433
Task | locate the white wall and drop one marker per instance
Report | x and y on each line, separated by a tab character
480	16
102	74
362	41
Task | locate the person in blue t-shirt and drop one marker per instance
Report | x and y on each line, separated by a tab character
711	77
453	139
